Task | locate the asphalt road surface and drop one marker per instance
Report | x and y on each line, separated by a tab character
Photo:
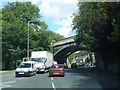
75	78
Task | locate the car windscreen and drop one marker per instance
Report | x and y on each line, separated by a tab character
56	66
39	60
25	65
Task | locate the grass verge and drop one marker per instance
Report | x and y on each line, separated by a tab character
7	72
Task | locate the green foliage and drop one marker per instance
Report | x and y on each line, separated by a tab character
16	17
97	25
81	24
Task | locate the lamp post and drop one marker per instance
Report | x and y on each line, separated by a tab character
28	42
28	39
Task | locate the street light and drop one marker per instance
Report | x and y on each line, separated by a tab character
28	42
28	39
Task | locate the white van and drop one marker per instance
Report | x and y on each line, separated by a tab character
26	68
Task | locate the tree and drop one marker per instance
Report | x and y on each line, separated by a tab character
96	24
14	29
15	18
97	27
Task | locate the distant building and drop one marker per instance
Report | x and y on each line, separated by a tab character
89	59
81	60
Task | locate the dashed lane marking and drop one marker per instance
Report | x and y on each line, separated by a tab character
52	78
53	86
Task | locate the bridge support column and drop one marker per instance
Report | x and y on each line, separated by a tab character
68	63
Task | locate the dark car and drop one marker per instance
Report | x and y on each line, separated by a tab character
56	69
73	65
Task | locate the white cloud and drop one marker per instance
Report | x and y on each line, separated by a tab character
63	22
65	29
59	10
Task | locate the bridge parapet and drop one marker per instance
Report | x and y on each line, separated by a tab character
57	49
65	41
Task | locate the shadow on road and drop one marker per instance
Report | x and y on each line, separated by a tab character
94	78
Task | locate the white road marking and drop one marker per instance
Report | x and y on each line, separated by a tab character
53	86
3	85
52	78
7	78
22	78
8	86
8	82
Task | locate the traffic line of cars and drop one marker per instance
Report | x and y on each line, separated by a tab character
28	68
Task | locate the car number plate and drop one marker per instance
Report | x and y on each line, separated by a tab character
21	73
56	73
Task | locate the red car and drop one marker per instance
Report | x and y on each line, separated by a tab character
56	69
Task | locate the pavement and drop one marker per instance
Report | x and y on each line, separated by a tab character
3	71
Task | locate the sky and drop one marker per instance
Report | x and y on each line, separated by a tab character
57	14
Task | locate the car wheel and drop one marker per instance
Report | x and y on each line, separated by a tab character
34	73
16	75
50	75
29	75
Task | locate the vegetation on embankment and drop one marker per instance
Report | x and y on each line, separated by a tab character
98	27
17	19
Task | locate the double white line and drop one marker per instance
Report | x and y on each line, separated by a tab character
53	86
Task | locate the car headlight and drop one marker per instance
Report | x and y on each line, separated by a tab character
29	70
43	66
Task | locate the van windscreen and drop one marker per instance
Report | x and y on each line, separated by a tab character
25	65
39	60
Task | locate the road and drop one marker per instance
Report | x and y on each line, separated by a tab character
74	78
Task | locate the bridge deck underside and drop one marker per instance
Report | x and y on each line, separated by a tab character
62	55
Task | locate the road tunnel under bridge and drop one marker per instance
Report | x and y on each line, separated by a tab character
62	54
64	48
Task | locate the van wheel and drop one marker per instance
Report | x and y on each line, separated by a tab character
16	76
34	73
29	75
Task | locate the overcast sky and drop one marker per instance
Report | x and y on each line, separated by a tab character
56	13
